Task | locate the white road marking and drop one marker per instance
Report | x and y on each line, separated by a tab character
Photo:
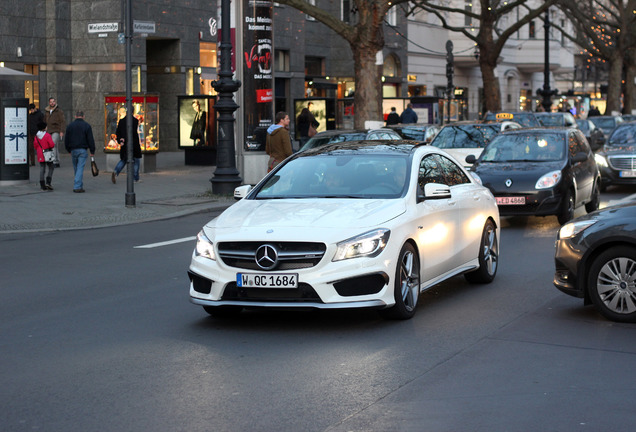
166	243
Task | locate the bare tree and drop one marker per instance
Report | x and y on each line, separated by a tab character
606	30
490	37
365	38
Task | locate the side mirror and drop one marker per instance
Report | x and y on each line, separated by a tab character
241	192
579	157
434	191
471	159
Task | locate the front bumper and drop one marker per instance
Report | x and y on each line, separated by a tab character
567	262
540	203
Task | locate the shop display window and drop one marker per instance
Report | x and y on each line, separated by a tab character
145	110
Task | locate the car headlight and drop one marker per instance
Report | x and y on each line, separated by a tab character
369	244
204	247
573	228
548	180
600	160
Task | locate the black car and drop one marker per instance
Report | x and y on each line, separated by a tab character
416	132
524	118
542	171
607	123
617	158
595	260
556	119
595	135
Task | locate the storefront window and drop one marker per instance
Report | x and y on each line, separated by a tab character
145	110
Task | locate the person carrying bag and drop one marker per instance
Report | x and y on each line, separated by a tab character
44	145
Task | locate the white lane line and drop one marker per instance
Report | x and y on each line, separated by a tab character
166	243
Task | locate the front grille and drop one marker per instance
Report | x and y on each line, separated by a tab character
291	255
623	162
304	293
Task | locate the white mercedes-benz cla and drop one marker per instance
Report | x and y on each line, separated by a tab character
348	225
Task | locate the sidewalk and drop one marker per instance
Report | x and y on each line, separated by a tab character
173	190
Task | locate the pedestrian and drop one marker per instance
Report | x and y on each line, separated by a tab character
79	141
123	150
278	143
55	125
303	121
593	111
43	141
408	115
35	118
394	117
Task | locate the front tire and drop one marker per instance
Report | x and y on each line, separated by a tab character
488	256
567	208
612	284
407	285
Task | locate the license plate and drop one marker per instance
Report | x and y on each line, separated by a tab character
511	200
267	280
631	173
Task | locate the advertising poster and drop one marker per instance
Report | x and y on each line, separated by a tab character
197	122
15	135
318	108
258	79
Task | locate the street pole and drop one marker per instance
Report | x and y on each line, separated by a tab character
226	177
130	185
547	94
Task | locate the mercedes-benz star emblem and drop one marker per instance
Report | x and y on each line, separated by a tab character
508	183
266	257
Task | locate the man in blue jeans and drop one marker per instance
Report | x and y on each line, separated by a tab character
79	141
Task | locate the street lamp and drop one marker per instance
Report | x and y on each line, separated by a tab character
226	177
546	92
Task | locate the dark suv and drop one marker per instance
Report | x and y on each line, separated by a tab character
542	171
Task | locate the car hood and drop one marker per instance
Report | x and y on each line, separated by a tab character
309	214
611	150
524	175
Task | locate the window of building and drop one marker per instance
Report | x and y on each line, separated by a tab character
531	30
391	16
32	88
468	7
313	3
281	63
314	66
207	54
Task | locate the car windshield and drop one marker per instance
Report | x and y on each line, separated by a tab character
321	140
583	125
412	133
465	136
624	134
553	119
540	147
603	123
338	175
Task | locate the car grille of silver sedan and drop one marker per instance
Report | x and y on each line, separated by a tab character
278	255
623	162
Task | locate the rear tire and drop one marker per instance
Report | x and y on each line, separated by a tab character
407	285
488	256
223	311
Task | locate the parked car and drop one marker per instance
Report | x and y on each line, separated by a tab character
335	136
595	136
542	171
607	123
628	117
556	119
617	158
524	118
595	260
348	225
417	132
463	138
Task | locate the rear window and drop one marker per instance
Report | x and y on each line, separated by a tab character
465	136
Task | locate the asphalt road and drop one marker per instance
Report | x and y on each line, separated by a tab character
97	334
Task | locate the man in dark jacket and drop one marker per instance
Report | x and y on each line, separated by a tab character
123	150
78	141
35	118
393	117
408	115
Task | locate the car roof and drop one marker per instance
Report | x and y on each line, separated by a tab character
351	131
366	146
538	130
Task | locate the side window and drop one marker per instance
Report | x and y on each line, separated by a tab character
584	146
454	174
430	171
574	144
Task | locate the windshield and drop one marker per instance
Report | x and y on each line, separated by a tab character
465	136
583	125
339	176
318	141
625	134
539	147
603	123
551	119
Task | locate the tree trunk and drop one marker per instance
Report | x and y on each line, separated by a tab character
368	96
614	84
492	93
